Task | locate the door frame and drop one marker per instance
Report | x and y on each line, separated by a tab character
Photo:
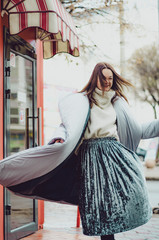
28	52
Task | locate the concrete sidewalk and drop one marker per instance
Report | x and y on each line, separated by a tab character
60	224
149	231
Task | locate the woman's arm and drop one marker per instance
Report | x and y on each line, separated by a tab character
150	129
59	141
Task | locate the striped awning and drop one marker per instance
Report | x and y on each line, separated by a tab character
52	23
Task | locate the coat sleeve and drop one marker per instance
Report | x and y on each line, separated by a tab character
129	130
60	133
150	129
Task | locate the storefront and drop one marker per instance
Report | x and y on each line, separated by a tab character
23	44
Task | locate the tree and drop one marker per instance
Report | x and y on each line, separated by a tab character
84	8
145	65
84	11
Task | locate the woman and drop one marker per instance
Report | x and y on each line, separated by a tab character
113	196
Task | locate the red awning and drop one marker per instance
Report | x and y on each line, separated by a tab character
53	24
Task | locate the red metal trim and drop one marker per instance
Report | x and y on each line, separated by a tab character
78	218
40	102
40	214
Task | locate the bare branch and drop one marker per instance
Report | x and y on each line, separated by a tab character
144	63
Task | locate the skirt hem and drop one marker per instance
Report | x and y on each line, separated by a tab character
114	232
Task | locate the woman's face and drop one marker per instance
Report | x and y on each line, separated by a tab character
108	80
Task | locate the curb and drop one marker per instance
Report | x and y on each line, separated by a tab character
152	178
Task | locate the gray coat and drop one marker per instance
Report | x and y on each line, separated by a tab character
50	172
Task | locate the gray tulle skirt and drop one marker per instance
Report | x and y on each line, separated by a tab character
113	195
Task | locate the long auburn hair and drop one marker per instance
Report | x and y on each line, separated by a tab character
118	82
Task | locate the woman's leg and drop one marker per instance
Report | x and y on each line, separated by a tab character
108	237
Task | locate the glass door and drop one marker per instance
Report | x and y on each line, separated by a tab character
20	131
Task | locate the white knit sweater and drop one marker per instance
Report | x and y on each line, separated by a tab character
102	121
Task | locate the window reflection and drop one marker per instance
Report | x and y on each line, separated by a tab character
21	98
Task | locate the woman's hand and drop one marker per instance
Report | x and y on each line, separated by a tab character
59	141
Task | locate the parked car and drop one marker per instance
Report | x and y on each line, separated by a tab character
141	153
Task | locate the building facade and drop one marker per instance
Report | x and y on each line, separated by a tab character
21	84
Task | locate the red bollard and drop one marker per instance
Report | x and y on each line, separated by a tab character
78	218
